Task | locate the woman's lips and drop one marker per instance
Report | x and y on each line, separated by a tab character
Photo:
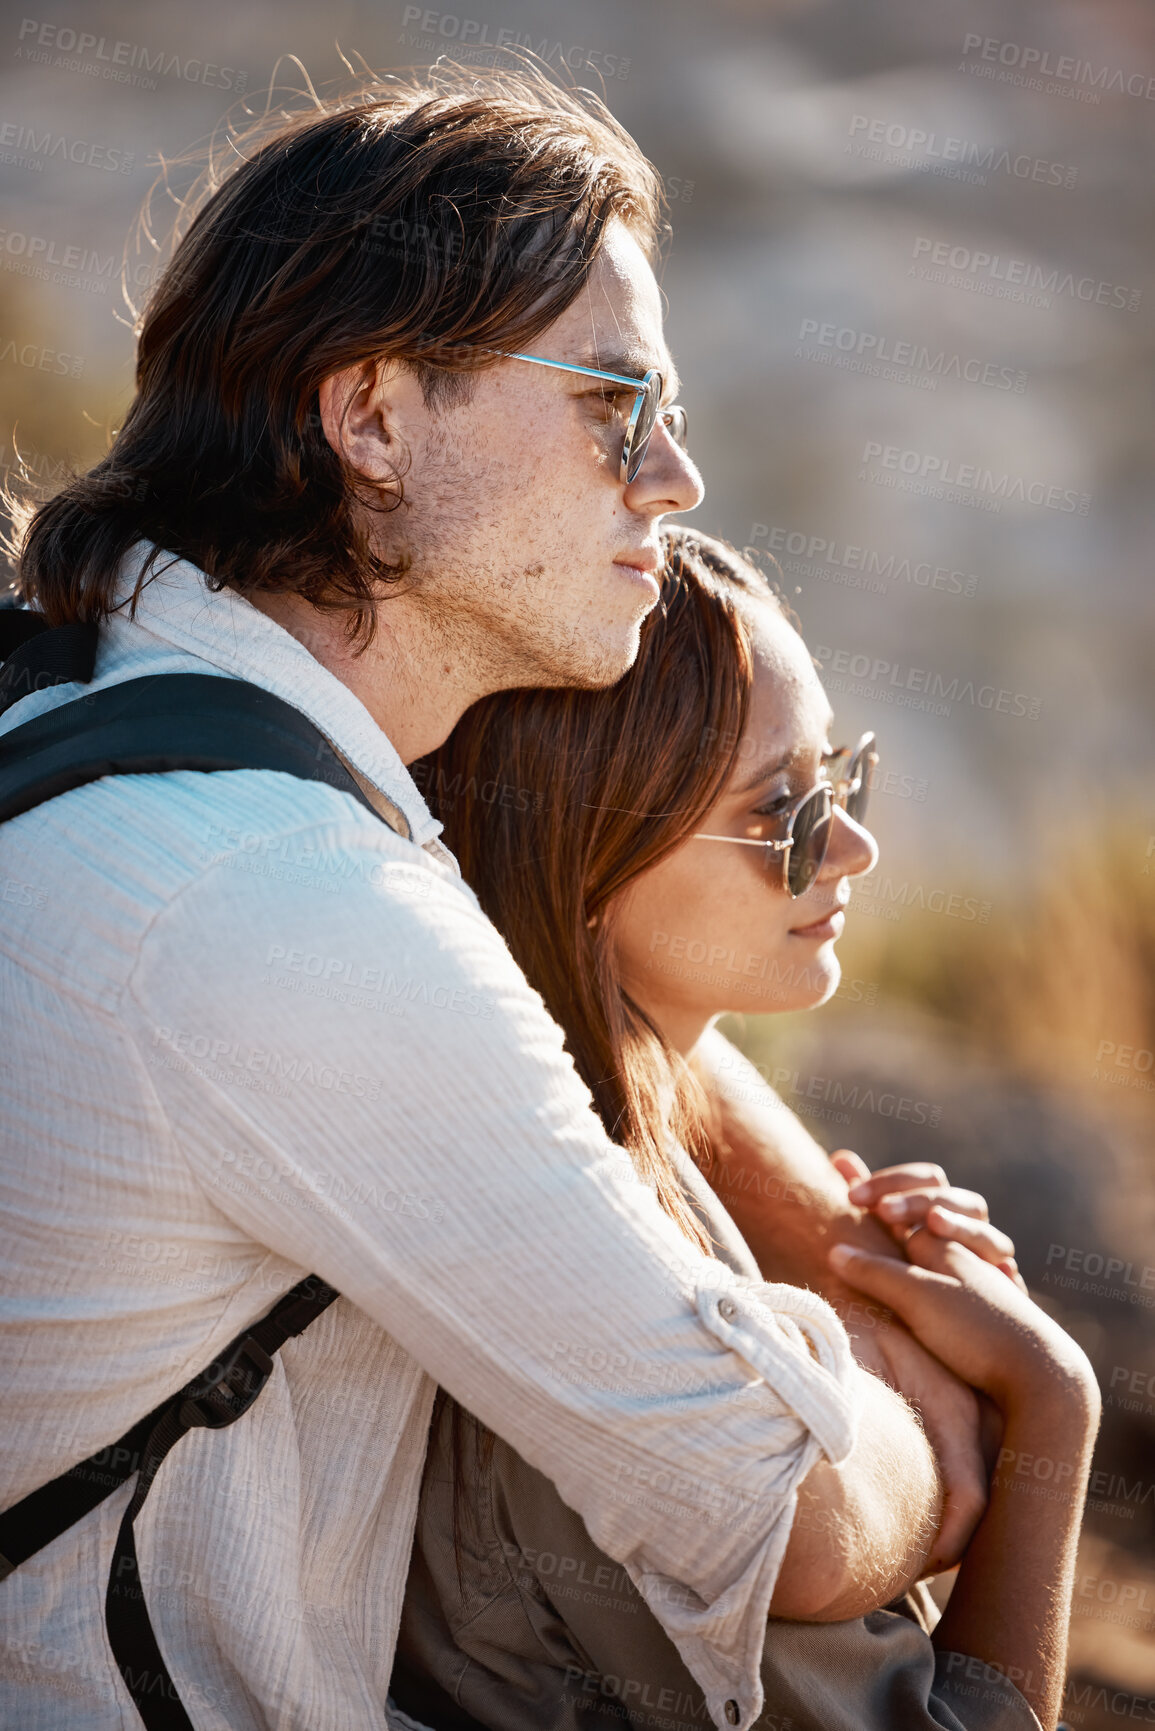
829	926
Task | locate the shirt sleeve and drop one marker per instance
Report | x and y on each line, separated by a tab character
360	1078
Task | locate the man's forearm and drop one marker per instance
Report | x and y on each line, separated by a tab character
863	1530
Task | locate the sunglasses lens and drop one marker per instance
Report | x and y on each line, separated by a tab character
812	825
861	768
676	425
642	425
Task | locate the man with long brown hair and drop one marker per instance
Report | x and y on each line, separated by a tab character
403	436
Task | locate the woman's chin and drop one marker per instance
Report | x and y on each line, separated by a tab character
808	988
825	973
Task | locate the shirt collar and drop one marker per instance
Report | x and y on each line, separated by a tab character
228	632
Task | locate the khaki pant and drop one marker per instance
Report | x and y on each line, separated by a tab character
531	1628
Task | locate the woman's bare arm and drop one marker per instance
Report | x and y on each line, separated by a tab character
791	1206
1011	1603
787	1200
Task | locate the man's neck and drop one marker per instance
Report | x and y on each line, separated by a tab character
410	685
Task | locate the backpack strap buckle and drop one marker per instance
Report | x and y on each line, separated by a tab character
228	1388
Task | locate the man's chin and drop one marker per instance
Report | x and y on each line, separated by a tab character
593	667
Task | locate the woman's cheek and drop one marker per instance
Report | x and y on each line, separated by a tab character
655	922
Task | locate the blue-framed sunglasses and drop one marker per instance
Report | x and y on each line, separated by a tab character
646	412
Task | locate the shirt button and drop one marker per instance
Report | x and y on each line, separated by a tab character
728	1310
731	1709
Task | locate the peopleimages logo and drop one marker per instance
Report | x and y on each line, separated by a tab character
805	555
25	147
942	477
37	358
926	152
903	361
49	260
1033	65
1014	278
886	898
44	44
471	36
916	687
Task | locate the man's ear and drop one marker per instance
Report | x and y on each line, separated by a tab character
364	412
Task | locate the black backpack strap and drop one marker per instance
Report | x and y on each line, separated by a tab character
218	1397
36	656
167	721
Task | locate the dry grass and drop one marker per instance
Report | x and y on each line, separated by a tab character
1052	978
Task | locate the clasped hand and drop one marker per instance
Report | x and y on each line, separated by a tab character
963	1427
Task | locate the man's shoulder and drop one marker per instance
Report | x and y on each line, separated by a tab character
193	858
292	833
332	930
300	841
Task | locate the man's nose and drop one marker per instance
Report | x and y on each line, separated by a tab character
668	479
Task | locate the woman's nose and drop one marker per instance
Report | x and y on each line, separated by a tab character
852	852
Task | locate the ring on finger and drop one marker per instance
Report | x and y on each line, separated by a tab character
921	1227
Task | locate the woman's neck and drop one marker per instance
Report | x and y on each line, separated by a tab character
680	1027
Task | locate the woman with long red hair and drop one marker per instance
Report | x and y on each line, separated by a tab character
655	854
